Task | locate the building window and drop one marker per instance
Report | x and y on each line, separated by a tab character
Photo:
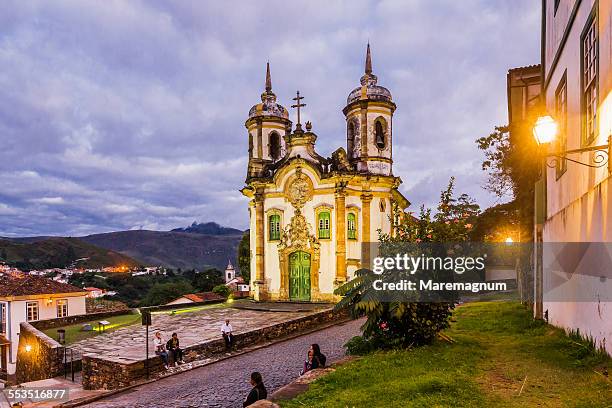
380	134
275	146
62	307
274	227
32	311
351	226
589	80
324	225
561	116
2	318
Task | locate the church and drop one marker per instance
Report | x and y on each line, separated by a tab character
310	214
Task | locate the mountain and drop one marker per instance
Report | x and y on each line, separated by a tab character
181	248
208	228
58	252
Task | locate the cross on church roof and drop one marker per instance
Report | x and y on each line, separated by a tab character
298	105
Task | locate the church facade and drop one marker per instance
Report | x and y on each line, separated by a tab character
309	214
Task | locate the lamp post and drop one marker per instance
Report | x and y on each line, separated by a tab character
545	132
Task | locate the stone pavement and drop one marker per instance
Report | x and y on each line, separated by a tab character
192	327
225	384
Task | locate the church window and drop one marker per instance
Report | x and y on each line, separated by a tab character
274	227
380	134
351	226
324	225
275	146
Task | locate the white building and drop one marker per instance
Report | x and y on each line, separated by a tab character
28	299
577	84
309	214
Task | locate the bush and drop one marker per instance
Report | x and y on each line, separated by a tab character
222	290
359	346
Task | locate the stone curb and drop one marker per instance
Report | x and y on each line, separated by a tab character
93	398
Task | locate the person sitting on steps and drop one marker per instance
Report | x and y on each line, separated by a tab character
174	348
226	332
160	348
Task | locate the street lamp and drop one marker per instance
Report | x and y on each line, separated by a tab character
545	132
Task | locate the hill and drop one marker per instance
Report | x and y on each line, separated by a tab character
208	228
173	249
58	252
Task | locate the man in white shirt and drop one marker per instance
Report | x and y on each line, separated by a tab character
226	332
160	348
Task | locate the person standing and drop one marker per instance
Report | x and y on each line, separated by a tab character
160	348
173	346
226	332
258	392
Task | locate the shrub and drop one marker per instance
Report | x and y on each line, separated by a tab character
222	290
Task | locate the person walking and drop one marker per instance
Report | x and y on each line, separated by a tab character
160	348
258	392
226	332
173	346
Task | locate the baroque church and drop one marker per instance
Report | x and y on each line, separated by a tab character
310	214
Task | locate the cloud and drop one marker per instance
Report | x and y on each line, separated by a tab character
130	114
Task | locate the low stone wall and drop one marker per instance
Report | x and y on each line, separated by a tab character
68	320
182	305
99	373
44	358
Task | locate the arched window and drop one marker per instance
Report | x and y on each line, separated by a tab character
274	227
380	134
324	225
351	226
275	146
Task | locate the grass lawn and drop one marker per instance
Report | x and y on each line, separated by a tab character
74	332
500	358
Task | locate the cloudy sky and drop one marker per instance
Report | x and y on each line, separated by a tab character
130	114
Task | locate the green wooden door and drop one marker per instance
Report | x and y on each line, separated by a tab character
299	276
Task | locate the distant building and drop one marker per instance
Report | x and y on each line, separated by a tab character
196	298
93	292
230	272
32	298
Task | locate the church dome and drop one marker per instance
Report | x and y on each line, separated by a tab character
369	81
268	105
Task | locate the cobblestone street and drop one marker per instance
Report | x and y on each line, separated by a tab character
225	384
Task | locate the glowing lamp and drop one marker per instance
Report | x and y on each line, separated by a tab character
28	348
509	240
545	130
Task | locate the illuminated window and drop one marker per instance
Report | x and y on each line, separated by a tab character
351	226
589	80
62	307
324	225
32	311
274	227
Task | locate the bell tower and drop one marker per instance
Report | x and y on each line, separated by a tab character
369	118
267	125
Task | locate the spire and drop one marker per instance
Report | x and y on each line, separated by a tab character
268	78
368	62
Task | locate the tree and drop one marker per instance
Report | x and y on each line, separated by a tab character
244	257
222	290
511	161
207	280
162	293
3	255
400	323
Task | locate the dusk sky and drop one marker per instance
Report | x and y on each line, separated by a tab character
122	115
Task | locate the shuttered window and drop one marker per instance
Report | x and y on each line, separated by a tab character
324	225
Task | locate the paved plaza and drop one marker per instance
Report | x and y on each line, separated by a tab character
225	384
193	327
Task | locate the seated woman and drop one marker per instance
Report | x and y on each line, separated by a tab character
258	392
